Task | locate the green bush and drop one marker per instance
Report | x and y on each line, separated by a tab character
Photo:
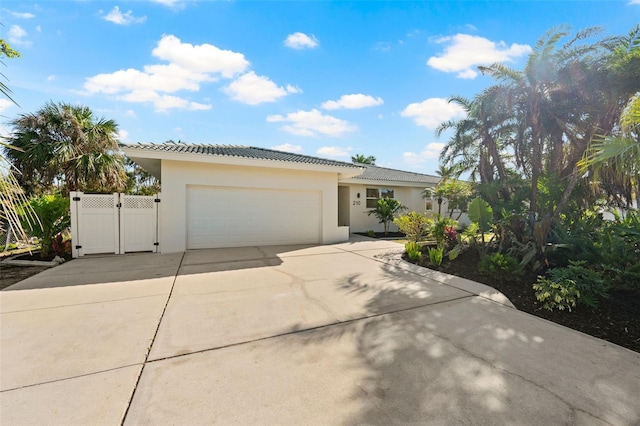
441	229
590	283
414	225
561	294
435	255
499	265
386	210
371	233
53	214
413	251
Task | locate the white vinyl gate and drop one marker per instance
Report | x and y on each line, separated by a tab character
113	223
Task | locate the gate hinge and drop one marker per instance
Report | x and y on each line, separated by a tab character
78	247
156	244
76	198
157	200
119	205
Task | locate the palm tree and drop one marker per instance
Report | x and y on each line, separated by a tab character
618	155
68	144
552	103
477	143
11	194
362	159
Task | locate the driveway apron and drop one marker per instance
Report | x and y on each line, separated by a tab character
339	334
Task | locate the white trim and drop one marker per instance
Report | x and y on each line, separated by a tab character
343	171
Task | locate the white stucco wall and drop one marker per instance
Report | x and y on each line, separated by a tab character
176	175
411	197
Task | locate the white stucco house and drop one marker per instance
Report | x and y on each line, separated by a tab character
232	196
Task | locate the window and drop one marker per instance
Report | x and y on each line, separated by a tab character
374	194
428	199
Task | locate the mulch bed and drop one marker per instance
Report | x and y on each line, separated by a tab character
382	235
617	319
11	274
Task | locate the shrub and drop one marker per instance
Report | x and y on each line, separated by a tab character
435	255
499	265
442	229
386	210
561	294
371	233
590	283
414	225
53	214
413	251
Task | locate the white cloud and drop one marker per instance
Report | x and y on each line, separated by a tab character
254	89
431	151
169	3
433	111
354	101
312	123
464	51
634	1
123	135
119	18
293	89
203	58
22	15
130	113
287	147
17	35
51	77
334	151
301	41
38	28
5	104
163	103
188	67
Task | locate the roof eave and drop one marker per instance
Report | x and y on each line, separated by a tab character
142	153
380	182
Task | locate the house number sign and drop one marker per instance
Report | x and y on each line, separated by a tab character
356	203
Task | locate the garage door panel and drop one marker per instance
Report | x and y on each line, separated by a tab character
235	217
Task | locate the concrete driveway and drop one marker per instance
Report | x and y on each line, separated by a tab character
339	334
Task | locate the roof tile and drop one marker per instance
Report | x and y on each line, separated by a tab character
393	175
238	151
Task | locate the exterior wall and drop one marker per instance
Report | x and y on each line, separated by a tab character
176	175
360	221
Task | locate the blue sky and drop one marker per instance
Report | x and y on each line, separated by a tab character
329	79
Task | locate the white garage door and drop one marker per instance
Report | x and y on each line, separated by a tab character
237	217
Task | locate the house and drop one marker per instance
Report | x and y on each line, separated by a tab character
232	196
359	194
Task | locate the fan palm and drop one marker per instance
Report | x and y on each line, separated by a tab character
67	144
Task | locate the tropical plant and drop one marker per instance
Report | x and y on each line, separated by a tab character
67	144
436	254
590	283
11	193
499	265
363	159
414	251
53	211
386	210
414	225
562	294
481	213
443	229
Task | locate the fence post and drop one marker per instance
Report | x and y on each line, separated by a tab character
76	242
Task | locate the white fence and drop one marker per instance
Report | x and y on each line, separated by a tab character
113	223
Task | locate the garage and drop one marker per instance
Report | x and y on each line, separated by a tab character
235	217
237	196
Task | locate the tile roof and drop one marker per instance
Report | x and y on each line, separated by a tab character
392	175
238	151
